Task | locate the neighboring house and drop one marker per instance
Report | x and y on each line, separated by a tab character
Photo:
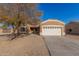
7	30
52	27
72	28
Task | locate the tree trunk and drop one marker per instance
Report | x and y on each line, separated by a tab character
14	34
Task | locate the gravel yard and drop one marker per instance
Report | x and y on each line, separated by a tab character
31	45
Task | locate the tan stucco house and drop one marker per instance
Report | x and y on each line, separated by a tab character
52	27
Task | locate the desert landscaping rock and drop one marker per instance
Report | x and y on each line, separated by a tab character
31	45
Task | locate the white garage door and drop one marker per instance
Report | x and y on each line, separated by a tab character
54	31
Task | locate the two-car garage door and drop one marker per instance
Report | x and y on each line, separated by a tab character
53	31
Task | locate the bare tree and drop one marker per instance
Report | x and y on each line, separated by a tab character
19	14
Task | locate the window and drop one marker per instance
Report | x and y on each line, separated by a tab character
70	30
22	29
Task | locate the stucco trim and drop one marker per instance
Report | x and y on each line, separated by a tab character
53	20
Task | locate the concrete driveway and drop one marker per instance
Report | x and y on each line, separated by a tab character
62	46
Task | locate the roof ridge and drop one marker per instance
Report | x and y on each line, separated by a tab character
53	20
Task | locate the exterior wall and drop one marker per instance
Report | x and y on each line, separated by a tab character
4	32
1	30
63	30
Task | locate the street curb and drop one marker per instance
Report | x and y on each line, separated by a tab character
46	46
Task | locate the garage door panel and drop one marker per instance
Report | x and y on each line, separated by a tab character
51	31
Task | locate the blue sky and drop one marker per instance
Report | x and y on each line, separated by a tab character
65	12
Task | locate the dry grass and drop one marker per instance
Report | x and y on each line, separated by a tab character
32	45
